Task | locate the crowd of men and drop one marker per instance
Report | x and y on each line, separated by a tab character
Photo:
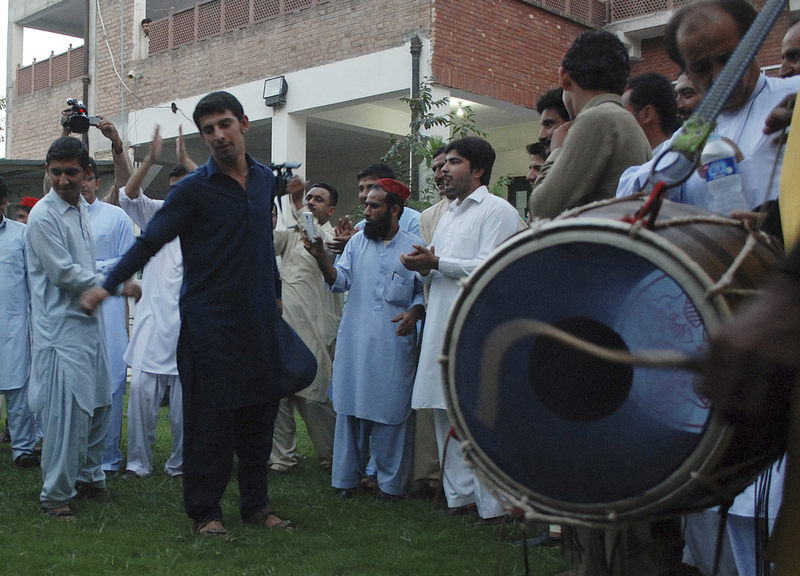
213	300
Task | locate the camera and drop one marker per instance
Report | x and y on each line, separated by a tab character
283	173
78	121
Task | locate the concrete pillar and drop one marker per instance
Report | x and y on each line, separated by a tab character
288	145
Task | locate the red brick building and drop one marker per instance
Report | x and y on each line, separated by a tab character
346	63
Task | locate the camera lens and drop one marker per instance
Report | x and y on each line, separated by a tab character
78	124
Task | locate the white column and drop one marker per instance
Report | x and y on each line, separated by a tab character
288	145
14	47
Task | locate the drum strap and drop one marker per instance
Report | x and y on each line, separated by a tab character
723	520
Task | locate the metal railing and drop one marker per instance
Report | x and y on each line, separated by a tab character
217	17
54	70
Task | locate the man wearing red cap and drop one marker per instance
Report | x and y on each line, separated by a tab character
373	372
24	209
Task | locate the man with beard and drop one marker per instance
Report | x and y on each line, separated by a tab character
476	221
373	372
552	113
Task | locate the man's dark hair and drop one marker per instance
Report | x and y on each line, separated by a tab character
741	11
537	149
67	148
3	188
177	171
93	164
377	171
334	194
215	103
479	153
393	199
597	60
553	100
652	88
438	151
146	20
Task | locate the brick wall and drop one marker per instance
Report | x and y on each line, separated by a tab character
504	49
34	120
332	31
655	59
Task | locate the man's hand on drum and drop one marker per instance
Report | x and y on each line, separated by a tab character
421	260
754	358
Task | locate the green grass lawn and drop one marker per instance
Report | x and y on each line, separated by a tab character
142	529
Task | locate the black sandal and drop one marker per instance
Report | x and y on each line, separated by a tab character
260	519
198	526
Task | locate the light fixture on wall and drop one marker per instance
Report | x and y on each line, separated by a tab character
459	110
275	91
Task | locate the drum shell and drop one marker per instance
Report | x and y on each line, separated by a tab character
696	254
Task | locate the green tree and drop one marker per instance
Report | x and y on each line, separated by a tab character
421	147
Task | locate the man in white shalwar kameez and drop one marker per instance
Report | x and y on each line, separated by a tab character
699	35
70	388
152	352
475	223
314	313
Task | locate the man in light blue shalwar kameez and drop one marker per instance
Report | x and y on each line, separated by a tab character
15	337
373	371
113	236
70	389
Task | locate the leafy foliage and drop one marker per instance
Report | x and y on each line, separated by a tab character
421	147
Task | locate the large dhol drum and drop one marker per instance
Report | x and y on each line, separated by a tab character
581	441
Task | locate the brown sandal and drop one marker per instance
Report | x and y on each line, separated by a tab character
63	515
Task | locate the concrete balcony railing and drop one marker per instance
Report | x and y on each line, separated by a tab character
624	9
54	70
593	13
217	17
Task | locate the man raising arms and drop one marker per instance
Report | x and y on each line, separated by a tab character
227	351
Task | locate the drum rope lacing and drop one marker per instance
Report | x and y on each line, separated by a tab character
646	216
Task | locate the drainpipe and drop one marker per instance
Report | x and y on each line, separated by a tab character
416	50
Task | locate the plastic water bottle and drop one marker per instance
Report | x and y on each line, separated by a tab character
722	177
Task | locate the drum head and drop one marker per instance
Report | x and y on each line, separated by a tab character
562	428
